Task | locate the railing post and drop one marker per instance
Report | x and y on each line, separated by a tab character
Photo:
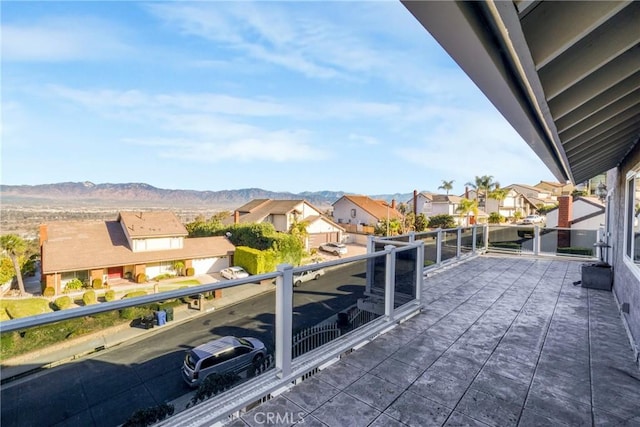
459	242
389	281
419	269
598	239
473	238
486	237
439	247
370	244
412	236
284	319
536	240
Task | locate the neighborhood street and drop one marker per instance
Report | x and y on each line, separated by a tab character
106	388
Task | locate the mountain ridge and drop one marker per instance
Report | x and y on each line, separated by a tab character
88	192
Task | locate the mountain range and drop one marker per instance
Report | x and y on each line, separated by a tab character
140	194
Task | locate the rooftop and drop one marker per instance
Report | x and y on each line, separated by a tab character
501	341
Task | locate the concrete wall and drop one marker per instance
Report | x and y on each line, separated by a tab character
626	285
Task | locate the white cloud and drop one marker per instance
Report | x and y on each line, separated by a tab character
363	139
62	39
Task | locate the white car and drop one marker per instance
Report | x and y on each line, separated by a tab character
334	248
234	273
300	278
533	219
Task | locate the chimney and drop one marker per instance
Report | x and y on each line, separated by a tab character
565	213
466	192
44	236
415	202
393	203
236	217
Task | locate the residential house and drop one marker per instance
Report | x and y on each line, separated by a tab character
584	213
512	203
363	211
556	188
420	203
285	213
137	242
534	195
448	204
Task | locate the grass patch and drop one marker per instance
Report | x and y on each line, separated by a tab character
16	343
14	309
178	285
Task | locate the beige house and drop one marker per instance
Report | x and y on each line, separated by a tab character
285	213
556	188
362	211
137	242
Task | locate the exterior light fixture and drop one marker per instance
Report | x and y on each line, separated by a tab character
601	191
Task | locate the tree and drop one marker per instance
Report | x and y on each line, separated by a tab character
446	186
482	185
14	247
421	222
498	194
467	206
178	267
442	221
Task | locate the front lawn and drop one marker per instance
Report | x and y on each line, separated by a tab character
14	309
178	285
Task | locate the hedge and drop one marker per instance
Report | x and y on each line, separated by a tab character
96	283
62	303
576	251
255	261
89	298
110	295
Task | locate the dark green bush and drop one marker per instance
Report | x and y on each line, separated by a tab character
141	278
442	221
89	297
149	416
506	245
214	384
62	303
49	292
96	283
110	295
255	261
576	251
73	285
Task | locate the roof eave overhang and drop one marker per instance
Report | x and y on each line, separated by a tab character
488	44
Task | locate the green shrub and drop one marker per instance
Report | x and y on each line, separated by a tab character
16	309
73	285
110	295
149	416
442	221
255	261
506	245
89	297
189	271
141	278
495	218
62	303
162	277
96	283
131	313
214	384
576	251
49	292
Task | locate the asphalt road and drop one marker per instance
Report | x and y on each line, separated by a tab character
106	388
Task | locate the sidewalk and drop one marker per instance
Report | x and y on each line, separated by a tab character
51	356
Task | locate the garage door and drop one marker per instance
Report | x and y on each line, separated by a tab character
209	265
317	239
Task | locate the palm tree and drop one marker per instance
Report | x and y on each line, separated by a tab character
482	185
467	206
446	186
14	247
498	194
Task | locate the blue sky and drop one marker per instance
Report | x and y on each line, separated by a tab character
284	96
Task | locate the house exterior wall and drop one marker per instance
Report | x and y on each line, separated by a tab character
156	244
444	209
342	214
626	282
581	209
280	223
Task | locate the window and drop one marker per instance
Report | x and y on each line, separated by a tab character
353	213
632	216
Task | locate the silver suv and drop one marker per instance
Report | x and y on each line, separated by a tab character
221	356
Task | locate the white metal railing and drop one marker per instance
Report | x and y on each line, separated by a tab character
286	370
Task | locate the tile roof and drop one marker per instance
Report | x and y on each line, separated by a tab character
377	208
446	198
85	245
152	224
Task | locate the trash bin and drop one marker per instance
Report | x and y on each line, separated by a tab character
169	311
147	322
161	317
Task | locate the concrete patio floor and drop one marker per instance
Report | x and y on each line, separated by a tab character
501	341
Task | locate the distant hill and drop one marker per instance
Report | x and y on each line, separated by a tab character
139	194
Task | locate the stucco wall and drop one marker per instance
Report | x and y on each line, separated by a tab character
626	276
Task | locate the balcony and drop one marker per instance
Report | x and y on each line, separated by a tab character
452	335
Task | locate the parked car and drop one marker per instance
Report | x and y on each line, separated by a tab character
224	355
234	273
300	278
533	219
334	248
